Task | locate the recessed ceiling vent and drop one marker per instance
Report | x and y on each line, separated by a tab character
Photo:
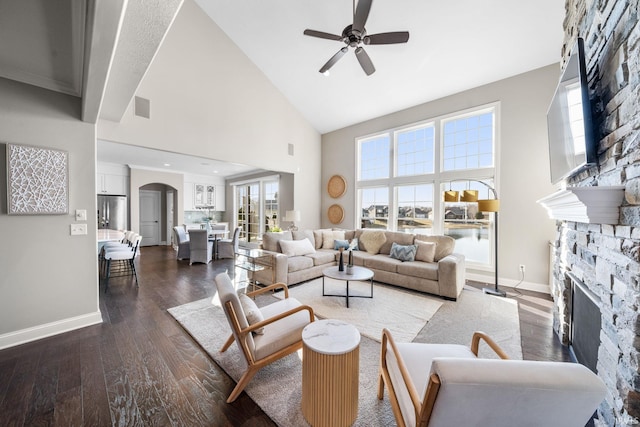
142	107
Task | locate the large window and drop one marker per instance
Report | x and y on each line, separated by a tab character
403	172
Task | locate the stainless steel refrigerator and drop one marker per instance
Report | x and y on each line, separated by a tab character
113	213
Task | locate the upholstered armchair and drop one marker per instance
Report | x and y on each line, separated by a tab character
448	385
263	334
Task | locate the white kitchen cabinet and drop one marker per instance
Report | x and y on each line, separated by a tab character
188	196
219	198
112	179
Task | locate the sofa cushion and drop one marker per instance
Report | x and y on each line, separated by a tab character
403	252
271	241
360	256
304	234
395	237
372	240
382	262
251	312
323	256
317	236
444	245
423	270
297	263
330	236
426	251
297	247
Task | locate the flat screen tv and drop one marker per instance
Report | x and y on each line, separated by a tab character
572	144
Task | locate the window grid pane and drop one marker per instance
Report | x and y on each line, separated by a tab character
468	142
271	205
415	151
375	207
415	208
374	158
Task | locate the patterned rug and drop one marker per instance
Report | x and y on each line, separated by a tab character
277	387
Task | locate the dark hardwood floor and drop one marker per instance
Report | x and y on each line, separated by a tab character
139	367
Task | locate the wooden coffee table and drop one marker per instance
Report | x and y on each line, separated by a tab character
359	274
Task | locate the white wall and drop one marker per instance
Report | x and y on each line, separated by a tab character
208	99
524	227
48	279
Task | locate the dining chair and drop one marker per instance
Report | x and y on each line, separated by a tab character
181	240
121	261
201	249
227	248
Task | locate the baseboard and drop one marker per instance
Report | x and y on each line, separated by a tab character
23	336
510	283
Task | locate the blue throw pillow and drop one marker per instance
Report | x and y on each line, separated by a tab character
403	253
337	244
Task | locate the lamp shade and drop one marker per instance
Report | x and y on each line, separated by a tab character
292	216
469	196
489	205
450	196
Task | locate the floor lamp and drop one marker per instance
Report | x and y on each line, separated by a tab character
487	205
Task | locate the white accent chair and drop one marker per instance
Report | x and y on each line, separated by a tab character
201	249
448	385
227	248
181	240
282	327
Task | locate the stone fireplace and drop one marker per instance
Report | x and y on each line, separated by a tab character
603	256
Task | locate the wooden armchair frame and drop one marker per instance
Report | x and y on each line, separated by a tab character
253	365
424	408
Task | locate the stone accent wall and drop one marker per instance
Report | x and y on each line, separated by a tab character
607	257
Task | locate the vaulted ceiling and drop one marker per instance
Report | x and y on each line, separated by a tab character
99	50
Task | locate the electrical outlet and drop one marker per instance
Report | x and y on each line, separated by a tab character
522	268
78	229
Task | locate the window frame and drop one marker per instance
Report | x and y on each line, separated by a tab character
439	178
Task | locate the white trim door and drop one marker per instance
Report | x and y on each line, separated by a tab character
150	217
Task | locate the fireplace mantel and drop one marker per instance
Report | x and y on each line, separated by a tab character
591	205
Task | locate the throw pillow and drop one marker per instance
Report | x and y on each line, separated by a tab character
251	312
373	241
304	234
318	237
353	245
403	252
297	247
337	244
271	241
329	236
444	244
426	251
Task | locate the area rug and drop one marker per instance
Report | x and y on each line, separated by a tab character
401	311
277	387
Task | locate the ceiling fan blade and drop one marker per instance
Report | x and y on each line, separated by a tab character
334	59
387	38
322	35
361	15
365	61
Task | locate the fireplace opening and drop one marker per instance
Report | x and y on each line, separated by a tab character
584	324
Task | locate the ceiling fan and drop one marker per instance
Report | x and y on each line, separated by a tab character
355	35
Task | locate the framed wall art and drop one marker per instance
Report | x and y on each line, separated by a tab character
37	180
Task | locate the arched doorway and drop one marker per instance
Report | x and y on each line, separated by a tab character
157	203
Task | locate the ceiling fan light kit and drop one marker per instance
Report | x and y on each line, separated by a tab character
355	35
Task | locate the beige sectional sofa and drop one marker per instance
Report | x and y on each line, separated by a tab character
435	269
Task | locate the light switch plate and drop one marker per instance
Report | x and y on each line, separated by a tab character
81	214
78	229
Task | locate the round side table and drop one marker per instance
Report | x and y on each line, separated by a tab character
330	369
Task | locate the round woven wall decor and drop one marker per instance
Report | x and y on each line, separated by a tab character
336	186
335	214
